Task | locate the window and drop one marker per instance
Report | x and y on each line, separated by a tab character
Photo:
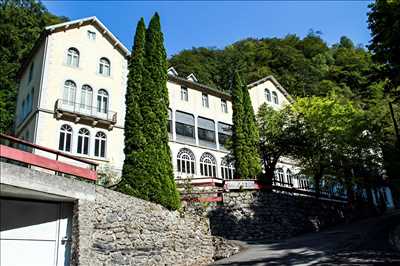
184	94
289	177
30	76
227	170
185	161
206	129
169	125
65	141
104	66
224	132
184	125
275	97
100	141
204	99
91	35
224	106
86	97
102	101
69	92
267	95
83	141
73	57
280	175
208	165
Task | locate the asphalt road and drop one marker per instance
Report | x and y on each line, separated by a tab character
362	243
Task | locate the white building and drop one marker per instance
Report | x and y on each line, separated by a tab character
72	98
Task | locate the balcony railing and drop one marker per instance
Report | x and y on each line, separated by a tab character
87	111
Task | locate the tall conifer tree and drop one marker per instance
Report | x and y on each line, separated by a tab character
148	172
133	180
245	135
252	136
155	101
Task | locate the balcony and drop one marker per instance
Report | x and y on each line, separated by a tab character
85	114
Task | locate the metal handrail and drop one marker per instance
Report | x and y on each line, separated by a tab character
58	153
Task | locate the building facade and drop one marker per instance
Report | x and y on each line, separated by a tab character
72	98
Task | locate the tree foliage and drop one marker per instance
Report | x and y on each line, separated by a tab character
148	172
245	136
21	23
278	135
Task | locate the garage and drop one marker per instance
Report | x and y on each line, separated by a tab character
35	232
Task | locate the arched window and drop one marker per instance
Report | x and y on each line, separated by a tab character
208	165
185	161
280	175
102	101
69	92
73	57
289	177
83	141
267	94
104	67
65	140
227	170
100	144
86	97
275	97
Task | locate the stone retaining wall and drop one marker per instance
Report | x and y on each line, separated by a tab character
258	215
116	229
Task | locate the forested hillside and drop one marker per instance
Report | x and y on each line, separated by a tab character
21	23
304	67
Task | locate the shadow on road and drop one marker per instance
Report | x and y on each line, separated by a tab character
362	243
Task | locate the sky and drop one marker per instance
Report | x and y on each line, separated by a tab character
188	24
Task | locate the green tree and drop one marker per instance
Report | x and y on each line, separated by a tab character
148	172
245	136
134	178
155	102
21	23
325	126
277	137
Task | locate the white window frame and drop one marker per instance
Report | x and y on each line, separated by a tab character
204	100
100	143
103	101
275	97
69	94
267	94
224	106
186	162
105	67
208	165
227	170
91	35
73	56
65	129
84	135
184	94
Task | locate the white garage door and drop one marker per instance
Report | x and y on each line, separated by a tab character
34	233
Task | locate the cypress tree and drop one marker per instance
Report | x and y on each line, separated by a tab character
133	181
155	101
244	132
252	136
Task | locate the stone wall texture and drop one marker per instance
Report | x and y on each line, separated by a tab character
258	215
116	229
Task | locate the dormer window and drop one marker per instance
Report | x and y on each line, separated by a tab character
104	67
204	99
91	35
172	72
192	77
275	97
184	94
